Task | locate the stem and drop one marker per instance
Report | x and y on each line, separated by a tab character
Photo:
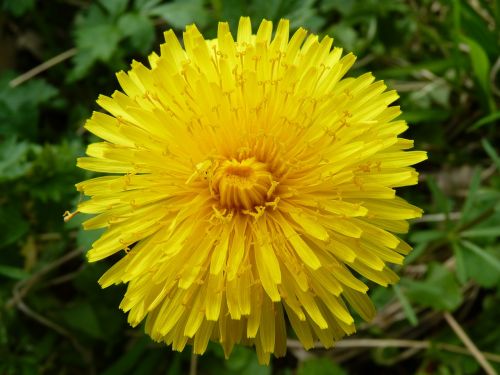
193	364
469	344
43	67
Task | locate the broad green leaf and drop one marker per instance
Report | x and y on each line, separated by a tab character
12	222
140	30
143	6
259	9
96	37
85	238
90	40
254	368
19	106
115	7
345	35
345	7
493	261
180	13
482	268
83	318
240	356
302	13
14	161
54	172
439	290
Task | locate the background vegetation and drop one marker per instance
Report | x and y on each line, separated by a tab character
441	55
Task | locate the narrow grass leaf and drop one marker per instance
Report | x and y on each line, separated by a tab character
407	308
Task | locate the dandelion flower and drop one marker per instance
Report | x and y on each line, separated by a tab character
248	184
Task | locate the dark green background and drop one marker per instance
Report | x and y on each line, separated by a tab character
442	57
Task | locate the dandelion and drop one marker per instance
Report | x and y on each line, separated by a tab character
249	185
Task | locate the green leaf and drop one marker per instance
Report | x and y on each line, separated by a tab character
180	13
150	361
320	366
13	225
19	106
481	267
83	318
90	40
439	290
345	35
345	7
475	27
126	363
253	367
115	7
96	38
461	265
13	272
425	236
491	152
491	118
259	9
302	13
54	174
140	30
407	308
493	261
85	238
471	196
430	114
437	66
18	7
441	201
240	356
480	64
481	232
14	161
143	6
417	251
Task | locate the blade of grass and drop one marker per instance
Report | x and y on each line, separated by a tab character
491	152
471	196
407	308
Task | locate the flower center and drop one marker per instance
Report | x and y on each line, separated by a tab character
242	184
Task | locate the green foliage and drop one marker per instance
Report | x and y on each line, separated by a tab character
439	290
320	366
180	13
19	106
441	56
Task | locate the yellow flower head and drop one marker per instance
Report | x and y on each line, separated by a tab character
249	183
